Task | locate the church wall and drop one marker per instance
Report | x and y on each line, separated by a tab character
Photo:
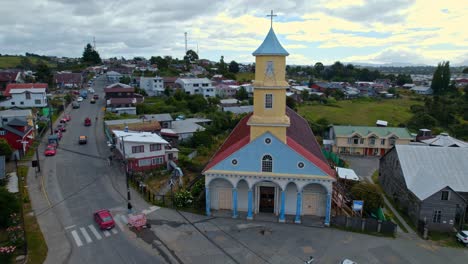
279	68
279	103
242	194
322	197
291	199
279	132
215	186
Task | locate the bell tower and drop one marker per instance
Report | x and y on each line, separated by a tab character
270	89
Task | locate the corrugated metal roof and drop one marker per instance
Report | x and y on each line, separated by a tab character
400	132
186	126
444	140
271	46
429	169
143	137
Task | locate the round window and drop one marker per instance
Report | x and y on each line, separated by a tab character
268	140
234	162
300	165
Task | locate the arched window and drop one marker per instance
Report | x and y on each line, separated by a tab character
267	163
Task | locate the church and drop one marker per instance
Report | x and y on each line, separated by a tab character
271	162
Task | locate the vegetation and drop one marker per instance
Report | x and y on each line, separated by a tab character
5	149
369	193
90	56
23	62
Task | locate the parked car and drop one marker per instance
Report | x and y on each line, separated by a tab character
87	121
59	134
92	101
462	236
83	140
75	105
61	128
50	150
63	120
67	117
95	96
104	219
80	99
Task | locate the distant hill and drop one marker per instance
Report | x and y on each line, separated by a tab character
9	61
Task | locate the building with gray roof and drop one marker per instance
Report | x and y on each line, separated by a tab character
430	184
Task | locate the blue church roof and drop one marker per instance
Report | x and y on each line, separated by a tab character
271	46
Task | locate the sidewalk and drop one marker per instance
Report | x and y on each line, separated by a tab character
411	234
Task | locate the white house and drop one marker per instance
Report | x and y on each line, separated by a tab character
113	76
426	90
197	86
153	86
25	95
144	150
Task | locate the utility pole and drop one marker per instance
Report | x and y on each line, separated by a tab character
129	205
50	117
185	42
37	147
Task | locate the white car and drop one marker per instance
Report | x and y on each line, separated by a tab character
462	236
80	99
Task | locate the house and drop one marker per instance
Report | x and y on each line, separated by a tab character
425	90
271	163
408	85
428	183
186	128
6	77
170	83
444	140
193	86
25	95
153	86
239	109
68	80
113	76
18	134
224	90
366	141
165	120
20	114
121	98
143	150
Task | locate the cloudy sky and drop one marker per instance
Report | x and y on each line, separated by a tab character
370	31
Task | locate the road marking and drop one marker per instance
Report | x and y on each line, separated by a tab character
150	210
124	219
106	233
114	231
95	232
117	221
77	238
68	227
85	234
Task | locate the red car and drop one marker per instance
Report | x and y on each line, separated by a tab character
104	219
87	121
67	117
50	150
60	128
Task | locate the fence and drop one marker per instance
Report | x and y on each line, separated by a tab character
333	157
369	225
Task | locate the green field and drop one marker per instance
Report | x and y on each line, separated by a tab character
245	76
7	62
360	112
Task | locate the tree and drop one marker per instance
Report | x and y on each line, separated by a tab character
369	193
197	103
318	67
43	73
160	62
190	56
9	204
234	67
125	80
222	66
242	94
465	70
291	103
441	79
5	148
90	56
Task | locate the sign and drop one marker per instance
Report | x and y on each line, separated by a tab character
358	205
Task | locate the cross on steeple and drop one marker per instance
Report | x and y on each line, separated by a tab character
271	17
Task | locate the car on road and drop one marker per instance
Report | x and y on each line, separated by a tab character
65	119
75	105
95	96
92	101
61	128
90	90
104	219
462	236
80	99
83	140
348	261
50	150
87	121
59	134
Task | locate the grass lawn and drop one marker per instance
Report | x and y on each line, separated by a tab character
445	239
247	76
363	112
13	61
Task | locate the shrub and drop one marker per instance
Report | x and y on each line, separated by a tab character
183	199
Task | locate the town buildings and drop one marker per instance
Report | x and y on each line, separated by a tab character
193	86
25	95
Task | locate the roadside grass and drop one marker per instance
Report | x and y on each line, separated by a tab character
37	247
13	61
445	239
361	111
363	232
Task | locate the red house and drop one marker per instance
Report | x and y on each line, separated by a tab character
18	134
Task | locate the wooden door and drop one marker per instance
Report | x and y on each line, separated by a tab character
225	199
267	199
310	203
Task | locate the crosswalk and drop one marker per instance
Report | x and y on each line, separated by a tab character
85	235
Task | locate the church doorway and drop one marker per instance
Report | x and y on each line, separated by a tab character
267	199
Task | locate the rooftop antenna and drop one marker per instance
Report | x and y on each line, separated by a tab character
94	43
197	51
185	42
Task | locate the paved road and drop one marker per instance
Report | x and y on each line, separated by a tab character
79	181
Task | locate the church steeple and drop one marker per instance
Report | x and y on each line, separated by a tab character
270	89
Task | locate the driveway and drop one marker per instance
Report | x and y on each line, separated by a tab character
363	166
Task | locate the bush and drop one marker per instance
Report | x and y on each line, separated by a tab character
10	205
183	199
369	193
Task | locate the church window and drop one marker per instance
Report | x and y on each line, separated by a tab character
300	165
268	101
234	162
267	140
267	163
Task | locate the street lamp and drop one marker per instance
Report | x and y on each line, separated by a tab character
129	205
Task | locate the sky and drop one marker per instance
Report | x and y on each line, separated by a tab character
357	31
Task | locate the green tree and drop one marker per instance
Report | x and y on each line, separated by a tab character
465	70
242	94
423	120
125	80
190	57
222	68
43	73
5	148
160	62
318	68
9	204
90	56
291	103
441	79
233	67
369	193
197	103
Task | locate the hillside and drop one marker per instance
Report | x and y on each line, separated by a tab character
7	62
